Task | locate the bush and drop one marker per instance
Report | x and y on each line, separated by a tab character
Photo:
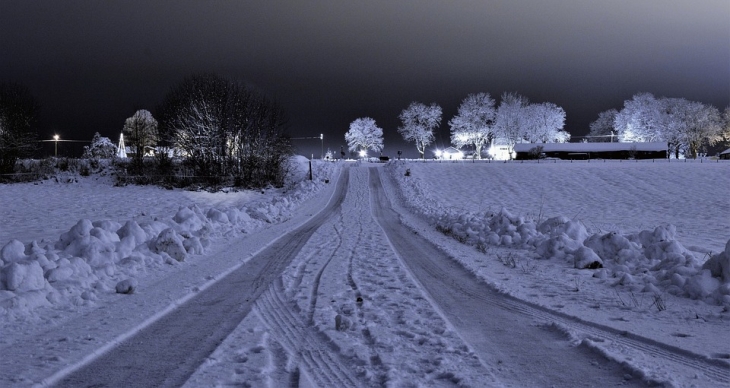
536	152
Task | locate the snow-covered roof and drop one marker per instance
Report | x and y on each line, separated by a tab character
591	147
451	150
727	151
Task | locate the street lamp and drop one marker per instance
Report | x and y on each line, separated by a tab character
363	153
321	137
55	152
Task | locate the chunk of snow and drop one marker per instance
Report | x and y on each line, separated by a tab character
127	286
560	224
719	264
702	285
584	257
169	242
12	252
23	276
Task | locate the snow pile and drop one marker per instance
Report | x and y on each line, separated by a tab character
107	256
648	261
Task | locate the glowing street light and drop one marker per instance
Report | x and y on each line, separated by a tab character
55	138
363	153
321	137
439	153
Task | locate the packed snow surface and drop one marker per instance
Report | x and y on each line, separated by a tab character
640	247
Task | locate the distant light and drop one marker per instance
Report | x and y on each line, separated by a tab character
55	145
321	136
363	153
439	153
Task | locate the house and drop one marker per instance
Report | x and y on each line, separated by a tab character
725	155
449	153
130	152
582	151
499	151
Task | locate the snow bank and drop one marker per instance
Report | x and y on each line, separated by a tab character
108	256
647	261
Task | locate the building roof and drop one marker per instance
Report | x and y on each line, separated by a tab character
591	147
450	150
727	151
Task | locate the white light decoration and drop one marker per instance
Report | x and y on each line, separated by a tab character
121	148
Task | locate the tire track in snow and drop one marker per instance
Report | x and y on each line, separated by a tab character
304	343
388	332
315	286
295	329
432	269
408	342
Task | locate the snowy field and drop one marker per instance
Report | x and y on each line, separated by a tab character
43	210
625	197
493	218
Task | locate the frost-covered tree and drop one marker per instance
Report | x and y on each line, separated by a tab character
685	125
726	126
100	148
511	119
696	125
419	121
364	135
602	129
473	123
544	124
18	115
140	131
673	118
641	119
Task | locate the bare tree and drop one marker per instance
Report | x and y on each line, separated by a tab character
726	126
544	123
140	131
364	135
684	125
225	130
473	123
18	115
699	125
419	121
511	119
602	129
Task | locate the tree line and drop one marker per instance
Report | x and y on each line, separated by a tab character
477	124
209	130
687	126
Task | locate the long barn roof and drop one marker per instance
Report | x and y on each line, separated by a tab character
591	147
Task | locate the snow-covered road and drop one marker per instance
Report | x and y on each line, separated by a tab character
369	302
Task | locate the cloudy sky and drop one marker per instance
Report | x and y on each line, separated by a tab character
91	64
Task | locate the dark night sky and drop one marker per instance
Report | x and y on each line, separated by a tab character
91	64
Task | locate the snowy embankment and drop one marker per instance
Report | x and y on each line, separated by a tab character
110	255
650	260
